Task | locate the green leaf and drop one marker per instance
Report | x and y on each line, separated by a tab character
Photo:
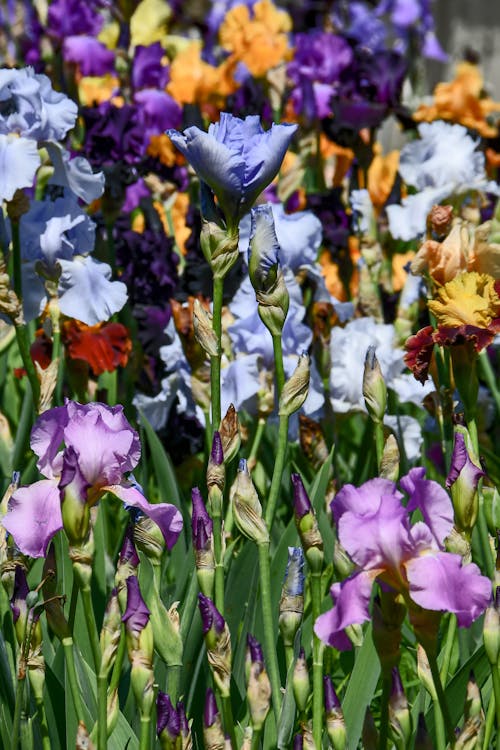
360	689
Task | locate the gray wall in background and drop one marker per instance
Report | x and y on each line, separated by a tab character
468	23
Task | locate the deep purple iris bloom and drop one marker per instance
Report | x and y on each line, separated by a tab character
68	17
375	530
86	449
92	56
236	159
113	134
167	719
148	71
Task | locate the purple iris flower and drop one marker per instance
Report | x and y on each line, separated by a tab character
68	17
158	111
91	55
113	134
148	71
375	530
99	449
236	159
211	712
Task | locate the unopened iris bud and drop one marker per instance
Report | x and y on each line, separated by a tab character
298	742
218	643
149	539
213	736
110	633
307	737
369	733
307	525
187	740
202	530
82	558
247	510
300	681
168	726
335	724
292	596
259	685
140	646
423	739
374	387
203	329
230	434
424	672
296	388
463	479
491	630
389	465
219	248
18	604
473	704
265	272
399	713
216	472
128	564
342	563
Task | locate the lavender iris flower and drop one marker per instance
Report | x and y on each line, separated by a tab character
375	530
100	448
236	159
91	56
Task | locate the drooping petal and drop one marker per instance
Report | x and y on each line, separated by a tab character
440	582
364	499
19	159
46	438
166	516
432	500
75	174
351	599
34	516
86	291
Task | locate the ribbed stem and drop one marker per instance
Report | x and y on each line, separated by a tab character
91	626
102	712
278	364
317	662
267	616
279	465
144	743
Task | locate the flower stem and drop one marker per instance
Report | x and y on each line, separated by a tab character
490	721
489	376
449	641
145	732
189	606
21	679
102	711
72	605
278	471
216	513
267	616
76	693
482	526
215	361
378	428
117	667
252	458
317	662
44	727
227	715
441	698
384	713
278	364
496	689
91	626
256	733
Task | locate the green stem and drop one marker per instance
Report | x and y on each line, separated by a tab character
317	662
482	526
91	626
44	727
102	711
378	428
448	648
488	374
384	713
252	458
227	716
188	609
173	681
76	693
145	732
256	733
496	689
17	710
439	726
442	707
117	667
490	722
278	364
72	605
16	260
215	361
279	465
267	617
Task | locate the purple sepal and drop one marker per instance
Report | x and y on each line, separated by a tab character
211	711
128	552
459	461
256	653
183	722
210	615
301	503
136	615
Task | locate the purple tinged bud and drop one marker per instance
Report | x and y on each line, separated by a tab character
167	717
201	523
211	711
256	653
243	466
460	460
302	504
217	454
298	742
463	479
210	615
332	702
136	615
128	552
293	583
21	590
397	690
183	722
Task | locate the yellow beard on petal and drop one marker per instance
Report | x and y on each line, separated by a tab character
469	299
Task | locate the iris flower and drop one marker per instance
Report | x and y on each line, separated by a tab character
375	529
84	451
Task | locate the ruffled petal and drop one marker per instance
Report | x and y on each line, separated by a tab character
351	599
34	516
432	500
86	291
19	159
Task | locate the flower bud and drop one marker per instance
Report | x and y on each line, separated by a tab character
110	633
374	387
230	434
307	525
342	563
168	727
216	472
166	629
423	740
296	388
424	672
202	531
187	740
219	246
259	685
140	646
307	737
292	596
473	704
399	713
247	510
369	733
203	329
82	557
491	630
312	441
335	724
471	735
463	479
265	272
218	643
300	682
389	465
128	564
75	510
213	736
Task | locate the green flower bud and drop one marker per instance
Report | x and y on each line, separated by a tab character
82	557
110	633
247	510
219	248
230	435
399	713
296	388
389	465
491	630
300	682
424	672
473	704
203	329
149	539
374	387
